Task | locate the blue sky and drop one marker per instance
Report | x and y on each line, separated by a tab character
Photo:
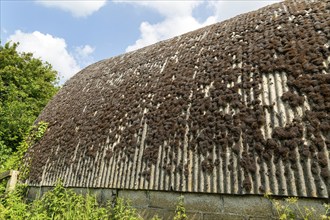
71	34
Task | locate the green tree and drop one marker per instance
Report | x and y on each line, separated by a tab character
26	85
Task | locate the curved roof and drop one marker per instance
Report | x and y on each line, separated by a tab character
238	107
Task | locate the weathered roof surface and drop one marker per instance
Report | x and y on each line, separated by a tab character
238	107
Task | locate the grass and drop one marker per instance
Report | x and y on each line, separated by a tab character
61	203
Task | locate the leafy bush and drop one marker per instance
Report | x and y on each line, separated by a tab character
15	160
123	210
290	209
326	215
26	86
59	203
63	204
12	206
180	211
5	153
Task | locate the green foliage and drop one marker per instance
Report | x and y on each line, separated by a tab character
26	85
5	153
13	206
156	217
63	204
59	203
180	211
3	185
289	209
15	161
326	215
123	210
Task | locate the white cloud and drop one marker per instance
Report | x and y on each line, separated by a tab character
169	8
83	55
78	8
51	49
85	51
179	19
152	33
227	9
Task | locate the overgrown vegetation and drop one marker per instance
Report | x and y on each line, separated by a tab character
124	210
289	209
59	203
180	211
64	204
26	86
15	160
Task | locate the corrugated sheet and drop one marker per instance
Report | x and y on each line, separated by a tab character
239	107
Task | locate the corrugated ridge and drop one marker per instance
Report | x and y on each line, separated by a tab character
223	168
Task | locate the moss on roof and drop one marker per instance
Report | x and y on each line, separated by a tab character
238	107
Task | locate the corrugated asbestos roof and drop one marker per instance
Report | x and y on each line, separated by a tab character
238	107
